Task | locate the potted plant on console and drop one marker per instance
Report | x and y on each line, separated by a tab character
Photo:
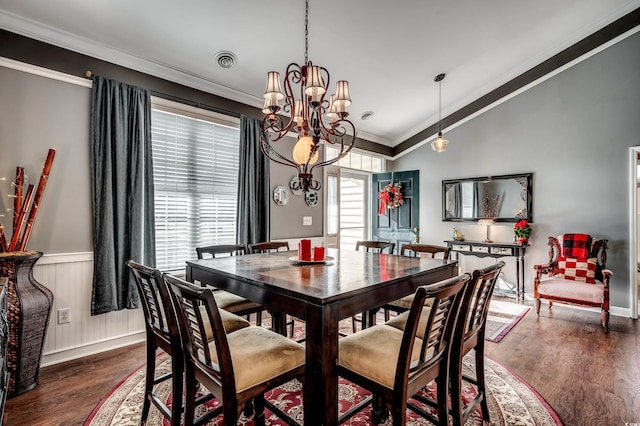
522	231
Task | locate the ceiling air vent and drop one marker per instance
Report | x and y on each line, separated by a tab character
226	59
366	115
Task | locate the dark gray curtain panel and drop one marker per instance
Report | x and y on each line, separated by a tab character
253	185
121	191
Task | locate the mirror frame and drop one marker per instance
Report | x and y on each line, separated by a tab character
525	179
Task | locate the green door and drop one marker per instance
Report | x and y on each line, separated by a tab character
399	225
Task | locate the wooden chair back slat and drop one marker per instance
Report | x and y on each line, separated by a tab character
415	250
269	246
376	246
230	249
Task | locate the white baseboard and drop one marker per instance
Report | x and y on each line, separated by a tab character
69	354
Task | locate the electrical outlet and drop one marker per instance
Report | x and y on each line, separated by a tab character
307	220
64	315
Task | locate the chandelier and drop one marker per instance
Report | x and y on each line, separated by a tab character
315	116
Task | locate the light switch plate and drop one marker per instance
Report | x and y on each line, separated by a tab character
307	221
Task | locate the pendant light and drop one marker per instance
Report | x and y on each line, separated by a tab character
440	143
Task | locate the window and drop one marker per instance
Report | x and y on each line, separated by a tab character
195	168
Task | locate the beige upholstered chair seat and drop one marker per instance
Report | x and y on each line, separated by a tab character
230	321
258	355
373	353
231	302
406	302
568	289
400	322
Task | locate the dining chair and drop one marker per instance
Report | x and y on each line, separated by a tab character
471	327
413	250
367	319
268	246
395	364
237	368
162	331
469	334
226	300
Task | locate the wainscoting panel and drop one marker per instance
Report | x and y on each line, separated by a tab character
69	277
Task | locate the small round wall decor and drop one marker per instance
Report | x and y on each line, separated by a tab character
311	198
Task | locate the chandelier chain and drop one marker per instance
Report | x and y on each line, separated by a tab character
306	33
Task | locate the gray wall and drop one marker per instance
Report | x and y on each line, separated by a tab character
573	131
38	113
286	221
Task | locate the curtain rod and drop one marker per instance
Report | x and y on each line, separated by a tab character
88	74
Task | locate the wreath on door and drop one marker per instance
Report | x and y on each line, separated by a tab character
390	198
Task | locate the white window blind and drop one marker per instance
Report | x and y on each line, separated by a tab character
195	168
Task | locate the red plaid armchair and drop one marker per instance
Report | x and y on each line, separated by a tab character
576	274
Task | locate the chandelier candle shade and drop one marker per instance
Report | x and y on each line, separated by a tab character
306	108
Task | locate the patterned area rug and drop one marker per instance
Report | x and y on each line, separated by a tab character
503	316
511	401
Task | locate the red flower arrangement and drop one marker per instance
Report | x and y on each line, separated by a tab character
522	231
390	198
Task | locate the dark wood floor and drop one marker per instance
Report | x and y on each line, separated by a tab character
589	376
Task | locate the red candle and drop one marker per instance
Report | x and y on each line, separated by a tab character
304	252
318	253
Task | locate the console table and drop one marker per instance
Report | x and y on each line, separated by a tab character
482	249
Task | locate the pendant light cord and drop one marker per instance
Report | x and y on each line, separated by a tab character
438	79
440	107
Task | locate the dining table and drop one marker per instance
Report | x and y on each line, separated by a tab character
321	293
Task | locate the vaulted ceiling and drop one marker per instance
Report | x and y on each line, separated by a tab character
390	52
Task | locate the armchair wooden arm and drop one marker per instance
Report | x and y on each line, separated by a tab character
543	269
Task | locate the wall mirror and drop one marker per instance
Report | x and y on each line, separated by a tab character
506	198
280	195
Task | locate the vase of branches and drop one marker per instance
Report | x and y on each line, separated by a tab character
29	303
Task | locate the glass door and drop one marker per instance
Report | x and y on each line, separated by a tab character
347	208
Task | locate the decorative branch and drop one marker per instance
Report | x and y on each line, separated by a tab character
17	201
15	238
44	178
3	240
490	211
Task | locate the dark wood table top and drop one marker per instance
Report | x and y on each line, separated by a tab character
347	274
